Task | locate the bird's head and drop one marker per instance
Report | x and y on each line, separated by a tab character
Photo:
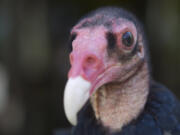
107	46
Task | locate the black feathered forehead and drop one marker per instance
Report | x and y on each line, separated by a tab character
105	16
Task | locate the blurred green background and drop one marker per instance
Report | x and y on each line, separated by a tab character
34	56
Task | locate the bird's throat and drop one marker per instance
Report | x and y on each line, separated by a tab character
117	104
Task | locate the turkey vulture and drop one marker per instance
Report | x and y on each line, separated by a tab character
110	90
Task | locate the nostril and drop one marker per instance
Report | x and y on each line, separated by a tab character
90	65
91	61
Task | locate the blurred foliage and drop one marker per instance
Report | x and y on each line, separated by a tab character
34	55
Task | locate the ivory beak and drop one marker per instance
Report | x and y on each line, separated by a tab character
76	95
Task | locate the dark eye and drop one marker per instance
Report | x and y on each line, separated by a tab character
127	39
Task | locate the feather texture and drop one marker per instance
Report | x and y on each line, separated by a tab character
159	116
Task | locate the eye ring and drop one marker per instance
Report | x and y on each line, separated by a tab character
127	39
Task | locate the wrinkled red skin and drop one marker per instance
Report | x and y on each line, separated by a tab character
89	58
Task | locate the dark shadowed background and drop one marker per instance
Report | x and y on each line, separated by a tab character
34	56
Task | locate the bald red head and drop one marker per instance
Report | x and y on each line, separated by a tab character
87	57
107	47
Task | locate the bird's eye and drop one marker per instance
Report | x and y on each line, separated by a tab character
127	39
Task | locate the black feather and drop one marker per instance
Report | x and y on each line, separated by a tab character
87	123
161	113
157	117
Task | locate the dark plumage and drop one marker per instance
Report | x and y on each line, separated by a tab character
128	102
161	114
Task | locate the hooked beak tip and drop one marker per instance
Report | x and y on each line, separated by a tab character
76	95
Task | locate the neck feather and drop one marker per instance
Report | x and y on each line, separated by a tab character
117	104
